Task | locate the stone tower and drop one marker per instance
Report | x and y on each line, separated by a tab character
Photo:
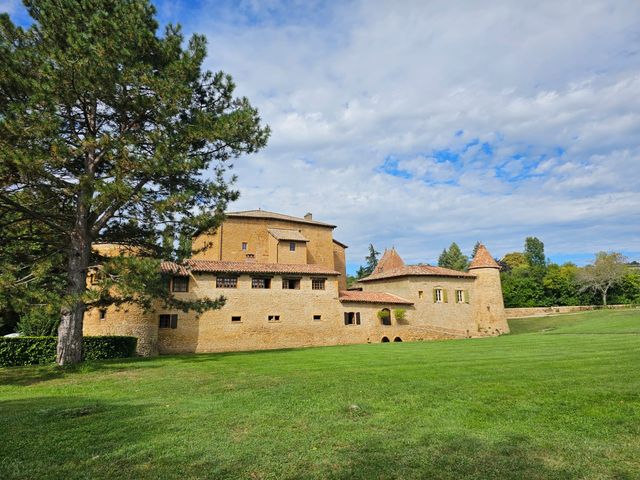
487	302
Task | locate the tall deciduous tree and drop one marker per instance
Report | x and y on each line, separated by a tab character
453	258
111	133
534	252
607	270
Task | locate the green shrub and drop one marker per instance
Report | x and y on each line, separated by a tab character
102	348
400	314
17	351
27	350
40	322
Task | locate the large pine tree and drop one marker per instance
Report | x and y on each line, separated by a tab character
112	133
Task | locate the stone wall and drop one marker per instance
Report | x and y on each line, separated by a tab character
456	318
543	311
234	231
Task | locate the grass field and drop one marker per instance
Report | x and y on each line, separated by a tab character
561	401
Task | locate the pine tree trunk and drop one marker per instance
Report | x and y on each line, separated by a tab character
69	350
70	330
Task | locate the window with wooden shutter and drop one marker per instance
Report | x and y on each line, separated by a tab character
346	318
357	318
466	296
439	295
174	321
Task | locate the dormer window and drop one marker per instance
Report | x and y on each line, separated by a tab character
292	246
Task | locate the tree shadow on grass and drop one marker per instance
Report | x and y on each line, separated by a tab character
454	458
84	437
33	374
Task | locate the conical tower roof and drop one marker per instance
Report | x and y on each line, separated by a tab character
390	260
483	259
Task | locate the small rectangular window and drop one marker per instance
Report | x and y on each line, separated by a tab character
273	318
168	321
180	284
260	283
459	296
103	313
291	284
245	245
226	282
420	293
317	318
236	319
352	318
317	283
292	246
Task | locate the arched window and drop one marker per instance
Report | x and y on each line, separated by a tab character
385	339
397	339
385	316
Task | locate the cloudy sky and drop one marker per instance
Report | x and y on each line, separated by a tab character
415	124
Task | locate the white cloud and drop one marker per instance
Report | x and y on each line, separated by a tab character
552	87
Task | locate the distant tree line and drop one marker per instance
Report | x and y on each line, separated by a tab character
529	279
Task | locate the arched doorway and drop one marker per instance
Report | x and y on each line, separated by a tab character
385	316
397	339
385	339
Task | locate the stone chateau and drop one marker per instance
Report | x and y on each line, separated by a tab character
284	280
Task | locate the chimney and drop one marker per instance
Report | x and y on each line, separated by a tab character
308	216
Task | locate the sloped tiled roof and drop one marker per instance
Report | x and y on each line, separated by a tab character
483	259
214	266
277	216
283	234
390	260
174	269
340	243
372	297
416	270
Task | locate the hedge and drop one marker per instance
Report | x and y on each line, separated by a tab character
15	351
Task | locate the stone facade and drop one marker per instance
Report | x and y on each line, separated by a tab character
284	282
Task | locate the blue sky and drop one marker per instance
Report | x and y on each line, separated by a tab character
415	124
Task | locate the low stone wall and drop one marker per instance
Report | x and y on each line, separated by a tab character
543	311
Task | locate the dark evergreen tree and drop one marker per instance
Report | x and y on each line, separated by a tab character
106	131
475	249
453	258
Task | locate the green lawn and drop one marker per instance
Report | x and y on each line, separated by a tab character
563	403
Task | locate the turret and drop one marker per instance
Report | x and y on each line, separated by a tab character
487	302
390	261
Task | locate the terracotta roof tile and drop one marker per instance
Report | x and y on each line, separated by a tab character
214	266
483	259
174	269
372	297
276	216
390	261
416	270
283	234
